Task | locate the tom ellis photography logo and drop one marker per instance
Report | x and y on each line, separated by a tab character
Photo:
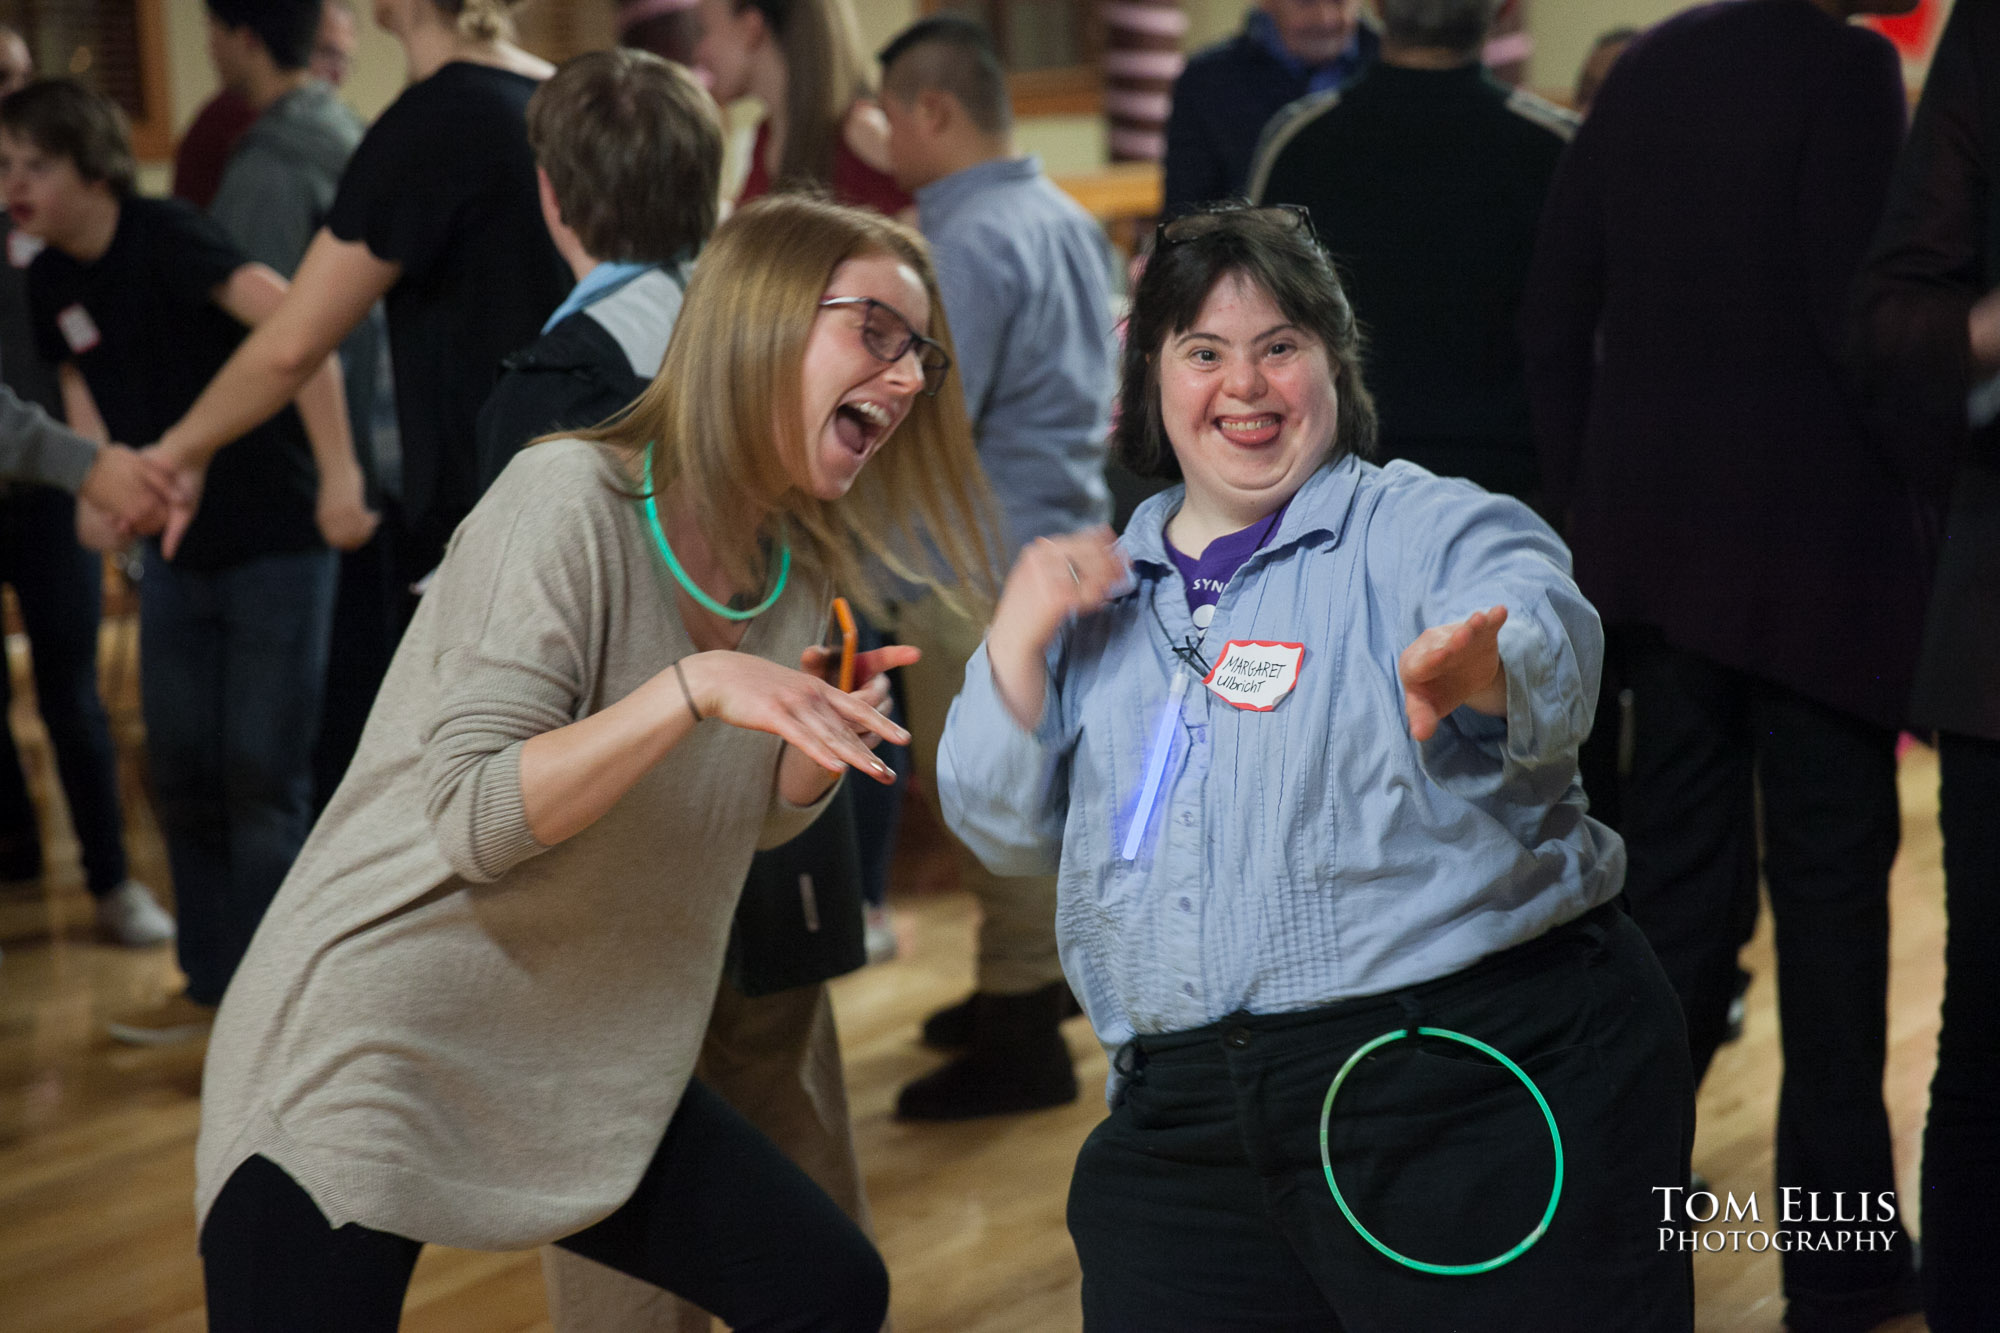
1804	1220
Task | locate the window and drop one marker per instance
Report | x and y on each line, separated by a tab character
116	46
1051	49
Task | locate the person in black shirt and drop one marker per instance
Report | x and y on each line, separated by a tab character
137	302
60	589
437	213
1425	179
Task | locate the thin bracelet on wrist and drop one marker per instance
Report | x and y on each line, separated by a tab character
687	693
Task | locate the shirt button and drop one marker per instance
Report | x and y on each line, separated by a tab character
1187	817
1187	904
1187	988
1238	1037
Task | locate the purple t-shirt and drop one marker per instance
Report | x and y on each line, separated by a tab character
1206	575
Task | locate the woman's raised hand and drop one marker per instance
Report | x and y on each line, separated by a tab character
818	720
1454	665
1054	578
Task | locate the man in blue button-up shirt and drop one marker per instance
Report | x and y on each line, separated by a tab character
1025	275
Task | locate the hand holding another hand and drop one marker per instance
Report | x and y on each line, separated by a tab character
129	493
187	480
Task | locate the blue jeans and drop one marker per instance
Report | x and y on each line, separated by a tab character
60	589
233	666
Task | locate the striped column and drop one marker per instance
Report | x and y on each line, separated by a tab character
1142	58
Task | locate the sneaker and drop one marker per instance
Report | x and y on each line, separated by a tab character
878	933
168	1023
131	916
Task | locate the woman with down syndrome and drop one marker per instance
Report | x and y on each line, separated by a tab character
1301	748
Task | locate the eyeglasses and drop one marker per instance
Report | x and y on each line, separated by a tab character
1193	226
888	336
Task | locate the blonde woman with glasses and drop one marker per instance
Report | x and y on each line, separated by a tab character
472	1014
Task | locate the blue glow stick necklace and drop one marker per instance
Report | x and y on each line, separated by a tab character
688	585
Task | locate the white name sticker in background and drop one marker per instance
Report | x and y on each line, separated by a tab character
79	330
22	248
1255	675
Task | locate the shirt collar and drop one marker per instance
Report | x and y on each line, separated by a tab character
600	282
947	191
1319	507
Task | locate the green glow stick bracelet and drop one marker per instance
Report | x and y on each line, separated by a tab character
1555	1138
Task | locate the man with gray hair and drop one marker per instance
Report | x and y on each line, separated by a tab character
1425	180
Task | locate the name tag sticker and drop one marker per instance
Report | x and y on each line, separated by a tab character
79	330
1254	675
22	248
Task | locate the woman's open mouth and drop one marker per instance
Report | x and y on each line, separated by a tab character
1250	431
859	425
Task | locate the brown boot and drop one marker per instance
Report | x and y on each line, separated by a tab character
1017	1061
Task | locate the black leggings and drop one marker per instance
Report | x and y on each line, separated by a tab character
720	1217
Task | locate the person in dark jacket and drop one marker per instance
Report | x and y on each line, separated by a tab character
1433	253
1930	334
629	233
1759	566
1228	92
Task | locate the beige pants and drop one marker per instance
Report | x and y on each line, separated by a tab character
777	1060
1017	927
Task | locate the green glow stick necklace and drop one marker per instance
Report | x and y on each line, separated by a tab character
688	585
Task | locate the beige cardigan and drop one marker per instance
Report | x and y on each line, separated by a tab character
443	1029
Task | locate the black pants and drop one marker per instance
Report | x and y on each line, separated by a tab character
1962	1137
1707	741
1201	1202
60	588
720	1217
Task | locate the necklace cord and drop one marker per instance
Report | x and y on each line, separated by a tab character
688	585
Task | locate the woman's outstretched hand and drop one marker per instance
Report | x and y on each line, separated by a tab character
1454	665
1054	578
817	719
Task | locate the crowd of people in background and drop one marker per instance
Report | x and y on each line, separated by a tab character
490	476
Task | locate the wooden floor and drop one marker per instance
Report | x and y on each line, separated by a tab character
96	1140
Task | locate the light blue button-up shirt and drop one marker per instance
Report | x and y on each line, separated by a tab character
1314	852
1026	278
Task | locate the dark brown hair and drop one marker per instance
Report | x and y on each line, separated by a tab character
63	118
633	149
825	74
952	55
1283	261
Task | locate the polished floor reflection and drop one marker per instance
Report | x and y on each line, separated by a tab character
96	1140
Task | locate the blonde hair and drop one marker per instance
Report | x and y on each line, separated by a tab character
826	73
724	421
481	20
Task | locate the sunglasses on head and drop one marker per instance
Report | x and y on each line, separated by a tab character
1194	226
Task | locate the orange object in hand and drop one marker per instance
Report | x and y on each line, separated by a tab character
840	635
